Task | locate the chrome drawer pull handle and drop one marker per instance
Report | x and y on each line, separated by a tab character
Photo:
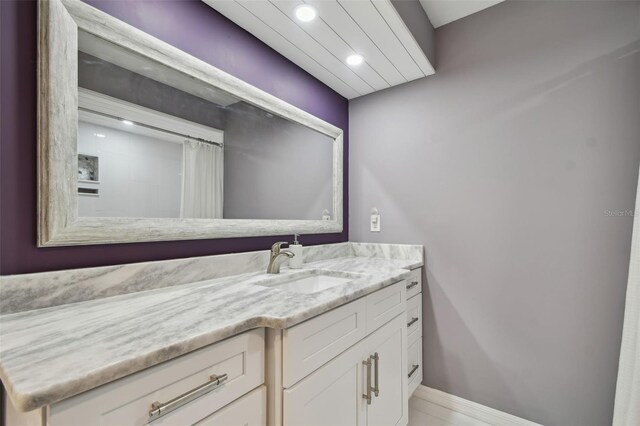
367	395
414	369
412	285
413	321
159	409
376	387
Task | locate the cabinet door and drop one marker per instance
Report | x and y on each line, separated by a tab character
390	407
331	396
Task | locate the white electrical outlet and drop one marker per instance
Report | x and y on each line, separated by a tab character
375	220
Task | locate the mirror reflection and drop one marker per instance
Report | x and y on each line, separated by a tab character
155	143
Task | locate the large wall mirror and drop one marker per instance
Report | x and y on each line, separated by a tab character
140	141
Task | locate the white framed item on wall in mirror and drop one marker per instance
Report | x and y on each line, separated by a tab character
88	168
140	141
88	175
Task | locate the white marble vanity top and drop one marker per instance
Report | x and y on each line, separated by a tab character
50	354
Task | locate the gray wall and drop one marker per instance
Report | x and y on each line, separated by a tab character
275	168
504	165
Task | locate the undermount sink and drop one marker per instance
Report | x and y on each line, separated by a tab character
309	283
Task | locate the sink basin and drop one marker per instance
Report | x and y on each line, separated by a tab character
309	283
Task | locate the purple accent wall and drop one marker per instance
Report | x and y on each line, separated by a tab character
189	25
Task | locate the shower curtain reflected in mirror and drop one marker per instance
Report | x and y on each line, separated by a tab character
202	180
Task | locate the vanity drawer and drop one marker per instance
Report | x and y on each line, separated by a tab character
414	283
414	366
384	305
311	344
129	400
414	318
250	410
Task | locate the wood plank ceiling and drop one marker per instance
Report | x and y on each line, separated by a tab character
370	28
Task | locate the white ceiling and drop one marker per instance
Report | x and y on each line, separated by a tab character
371	28
442	12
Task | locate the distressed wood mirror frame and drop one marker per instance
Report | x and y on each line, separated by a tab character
58	223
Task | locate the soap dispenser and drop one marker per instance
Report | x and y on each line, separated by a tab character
296	248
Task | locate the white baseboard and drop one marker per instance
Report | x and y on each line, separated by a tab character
454	410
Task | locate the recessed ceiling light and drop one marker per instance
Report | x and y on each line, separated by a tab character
354	60
306	13
127	122
99	135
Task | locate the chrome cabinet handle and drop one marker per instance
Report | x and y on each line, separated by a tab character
413	321
376	386
367	395
413	370
412	285
159	409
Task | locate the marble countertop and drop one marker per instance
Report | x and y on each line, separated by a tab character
50	354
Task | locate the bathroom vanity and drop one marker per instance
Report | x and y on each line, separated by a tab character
210	340
240	349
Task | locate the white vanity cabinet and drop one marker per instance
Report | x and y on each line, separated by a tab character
355	365
345	367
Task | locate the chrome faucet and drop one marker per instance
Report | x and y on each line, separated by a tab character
276	254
